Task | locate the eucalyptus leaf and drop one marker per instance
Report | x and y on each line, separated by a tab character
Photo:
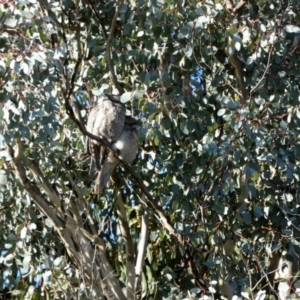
3	178
292	28
11	22
188	51
221	112
126	97
96	92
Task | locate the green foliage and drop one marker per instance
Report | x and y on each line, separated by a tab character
223	168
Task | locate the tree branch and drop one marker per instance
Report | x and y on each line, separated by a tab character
264	74
143	242
228	5
45	185
63	229
109	50
34	192
76	190
130	285
235	62
153	203
108	271
123	222
30	162
100	19
239	6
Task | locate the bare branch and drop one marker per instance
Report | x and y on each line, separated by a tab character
129	246
239	6
235	62
100	19
130	285
81	204
271	274
109	50
34	192
153	203
143	242
42	181
76	190
264	74
45	185
228	5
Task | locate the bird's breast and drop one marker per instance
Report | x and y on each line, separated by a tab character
127	145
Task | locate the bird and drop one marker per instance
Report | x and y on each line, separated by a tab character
126	146
108	120
105	120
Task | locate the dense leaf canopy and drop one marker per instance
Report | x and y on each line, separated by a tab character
211	202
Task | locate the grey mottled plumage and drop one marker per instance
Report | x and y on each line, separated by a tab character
126	146
108	121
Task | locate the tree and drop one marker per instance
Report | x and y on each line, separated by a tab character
210	207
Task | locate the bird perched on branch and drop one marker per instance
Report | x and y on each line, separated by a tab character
108	120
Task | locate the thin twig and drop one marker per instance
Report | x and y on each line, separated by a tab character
266	70
100	19
239	74
265	275
249	276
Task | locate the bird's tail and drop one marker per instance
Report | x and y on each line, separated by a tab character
104	175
